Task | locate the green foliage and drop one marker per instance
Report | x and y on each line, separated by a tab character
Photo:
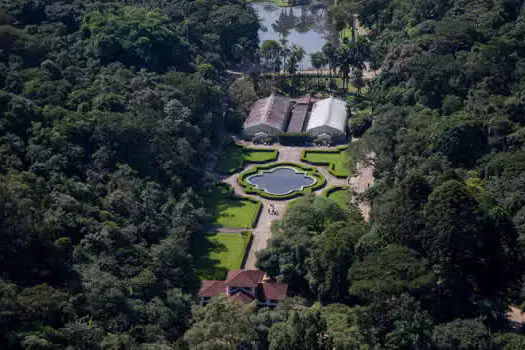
135	37
315	236
509	341
360	122
222	324
303	330
462	334
108	111
393	271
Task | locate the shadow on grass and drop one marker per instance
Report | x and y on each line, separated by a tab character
231	159
201	249
222	203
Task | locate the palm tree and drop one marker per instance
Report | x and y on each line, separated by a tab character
329	53
296	56
352	55
357	80
285	50
318	61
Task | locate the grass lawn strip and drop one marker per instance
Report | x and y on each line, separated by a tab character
217	253
337	161
233	158
229	210
280	3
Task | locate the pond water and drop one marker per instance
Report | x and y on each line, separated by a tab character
305	25
281	181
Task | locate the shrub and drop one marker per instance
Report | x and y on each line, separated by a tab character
294	139
360	122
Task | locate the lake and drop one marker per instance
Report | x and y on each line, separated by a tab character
305	25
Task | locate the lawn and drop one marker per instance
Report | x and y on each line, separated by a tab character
217	253
232	158
347	33
229	210
280	3
340	160
341	197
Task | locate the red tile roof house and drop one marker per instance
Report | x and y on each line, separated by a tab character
245	286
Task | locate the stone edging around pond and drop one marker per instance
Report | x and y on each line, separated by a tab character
309	171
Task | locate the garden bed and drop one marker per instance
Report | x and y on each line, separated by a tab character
217	253
337	161
339	194
309	171
230	210
233	158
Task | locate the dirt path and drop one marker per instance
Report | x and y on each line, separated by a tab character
262	232
360	183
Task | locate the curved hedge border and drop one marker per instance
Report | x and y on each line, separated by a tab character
333	189
310	171
232	194
243	162
330	165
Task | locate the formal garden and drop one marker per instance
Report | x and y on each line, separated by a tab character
231	216
281	181
217	253
337	161
233	158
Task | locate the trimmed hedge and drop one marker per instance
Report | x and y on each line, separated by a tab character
330	165
332	189
242	161
248	246
310	171
329	191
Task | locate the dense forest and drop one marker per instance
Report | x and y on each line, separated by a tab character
442	257
108	110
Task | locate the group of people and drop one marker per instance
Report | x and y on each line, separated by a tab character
272	210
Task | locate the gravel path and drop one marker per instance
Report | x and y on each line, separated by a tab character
261	233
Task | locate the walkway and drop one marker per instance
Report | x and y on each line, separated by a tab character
261	233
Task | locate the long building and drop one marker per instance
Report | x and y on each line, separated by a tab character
271	116
328	117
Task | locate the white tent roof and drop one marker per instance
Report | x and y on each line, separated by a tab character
329	112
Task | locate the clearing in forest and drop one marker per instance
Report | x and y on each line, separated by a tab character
217	253
229	210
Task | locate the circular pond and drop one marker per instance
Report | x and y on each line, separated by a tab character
281	180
